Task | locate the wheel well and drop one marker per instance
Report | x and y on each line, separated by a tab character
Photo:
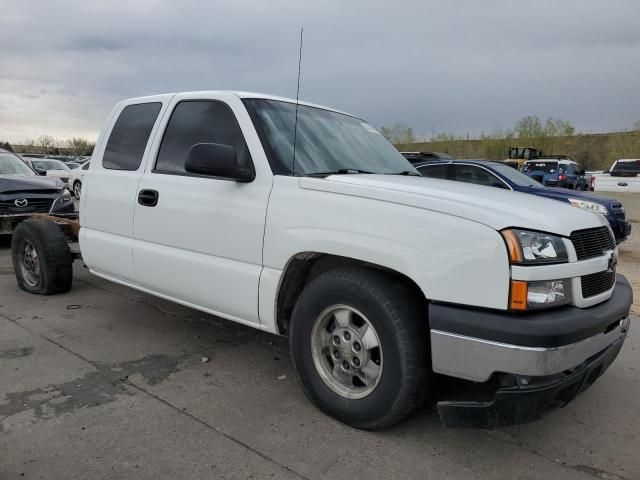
304	267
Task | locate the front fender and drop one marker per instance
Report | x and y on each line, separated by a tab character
451	259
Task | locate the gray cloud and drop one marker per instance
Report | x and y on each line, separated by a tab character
463	66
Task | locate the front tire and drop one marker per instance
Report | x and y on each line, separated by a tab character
41	258
359	342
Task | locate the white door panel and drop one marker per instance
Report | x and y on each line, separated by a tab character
202	242
209	282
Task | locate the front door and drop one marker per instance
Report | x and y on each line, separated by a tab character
198	239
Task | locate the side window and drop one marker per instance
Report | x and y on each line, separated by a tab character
86	166
477	175
129	136
199	121
435	171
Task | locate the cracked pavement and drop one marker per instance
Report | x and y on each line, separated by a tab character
107	382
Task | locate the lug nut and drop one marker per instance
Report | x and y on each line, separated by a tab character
347	336
356	362
345	365
357	347
336	340
336	354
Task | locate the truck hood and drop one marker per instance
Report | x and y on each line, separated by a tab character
25	183
565	194
494	207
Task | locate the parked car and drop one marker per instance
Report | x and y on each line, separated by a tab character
561	173
51	168
623	176
415	157
23	192
76	177
497	174
378	279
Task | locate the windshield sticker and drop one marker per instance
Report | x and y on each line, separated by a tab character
369	128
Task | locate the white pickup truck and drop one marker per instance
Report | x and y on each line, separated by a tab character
303	221
623	176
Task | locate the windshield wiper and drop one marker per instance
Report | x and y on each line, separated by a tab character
342	171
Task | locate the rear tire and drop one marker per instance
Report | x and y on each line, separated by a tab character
368	388
42	261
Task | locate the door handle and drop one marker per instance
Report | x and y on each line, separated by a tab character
148	198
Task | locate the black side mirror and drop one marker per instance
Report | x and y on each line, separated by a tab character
582	172
217	160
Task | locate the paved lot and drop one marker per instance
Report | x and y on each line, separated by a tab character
106	382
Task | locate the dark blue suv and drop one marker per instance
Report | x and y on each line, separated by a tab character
499	175
556	172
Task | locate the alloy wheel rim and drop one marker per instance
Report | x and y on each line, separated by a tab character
30	264
346	351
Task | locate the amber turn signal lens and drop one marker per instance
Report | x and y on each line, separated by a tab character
518	295
513	246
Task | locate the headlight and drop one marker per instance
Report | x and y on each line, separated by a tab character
63	198
531	248
540	294
591	206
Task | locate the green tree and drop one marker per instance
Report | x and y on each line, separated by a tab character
78	145
46	142
556	127
398	134
529	128
89	150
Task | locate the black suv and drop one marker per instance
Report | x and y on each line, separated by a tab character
23	192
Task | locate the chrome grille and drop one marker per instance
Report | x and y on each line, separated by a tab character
34	205
597	283
592	242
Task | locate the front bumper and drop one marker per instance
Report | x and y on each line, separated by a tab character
535	361
521	404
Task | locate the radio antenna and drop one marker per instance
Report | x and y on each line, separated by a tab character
295	125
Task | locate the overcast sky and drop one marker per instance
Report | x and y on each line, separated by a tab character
455	66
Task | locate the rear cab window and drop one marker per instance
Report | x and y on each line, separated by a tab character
548	167
129	136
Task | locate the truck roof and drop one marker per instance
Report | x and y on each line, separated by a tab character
241	94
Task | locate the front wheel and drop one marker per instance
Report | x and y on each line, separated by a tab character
359	342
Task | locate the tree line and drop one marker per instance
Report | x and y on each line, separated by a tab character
53	146
552	136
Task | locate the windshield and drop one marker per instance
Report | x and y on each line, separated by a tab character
325	141
514	176
12	165
548	167
49	165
